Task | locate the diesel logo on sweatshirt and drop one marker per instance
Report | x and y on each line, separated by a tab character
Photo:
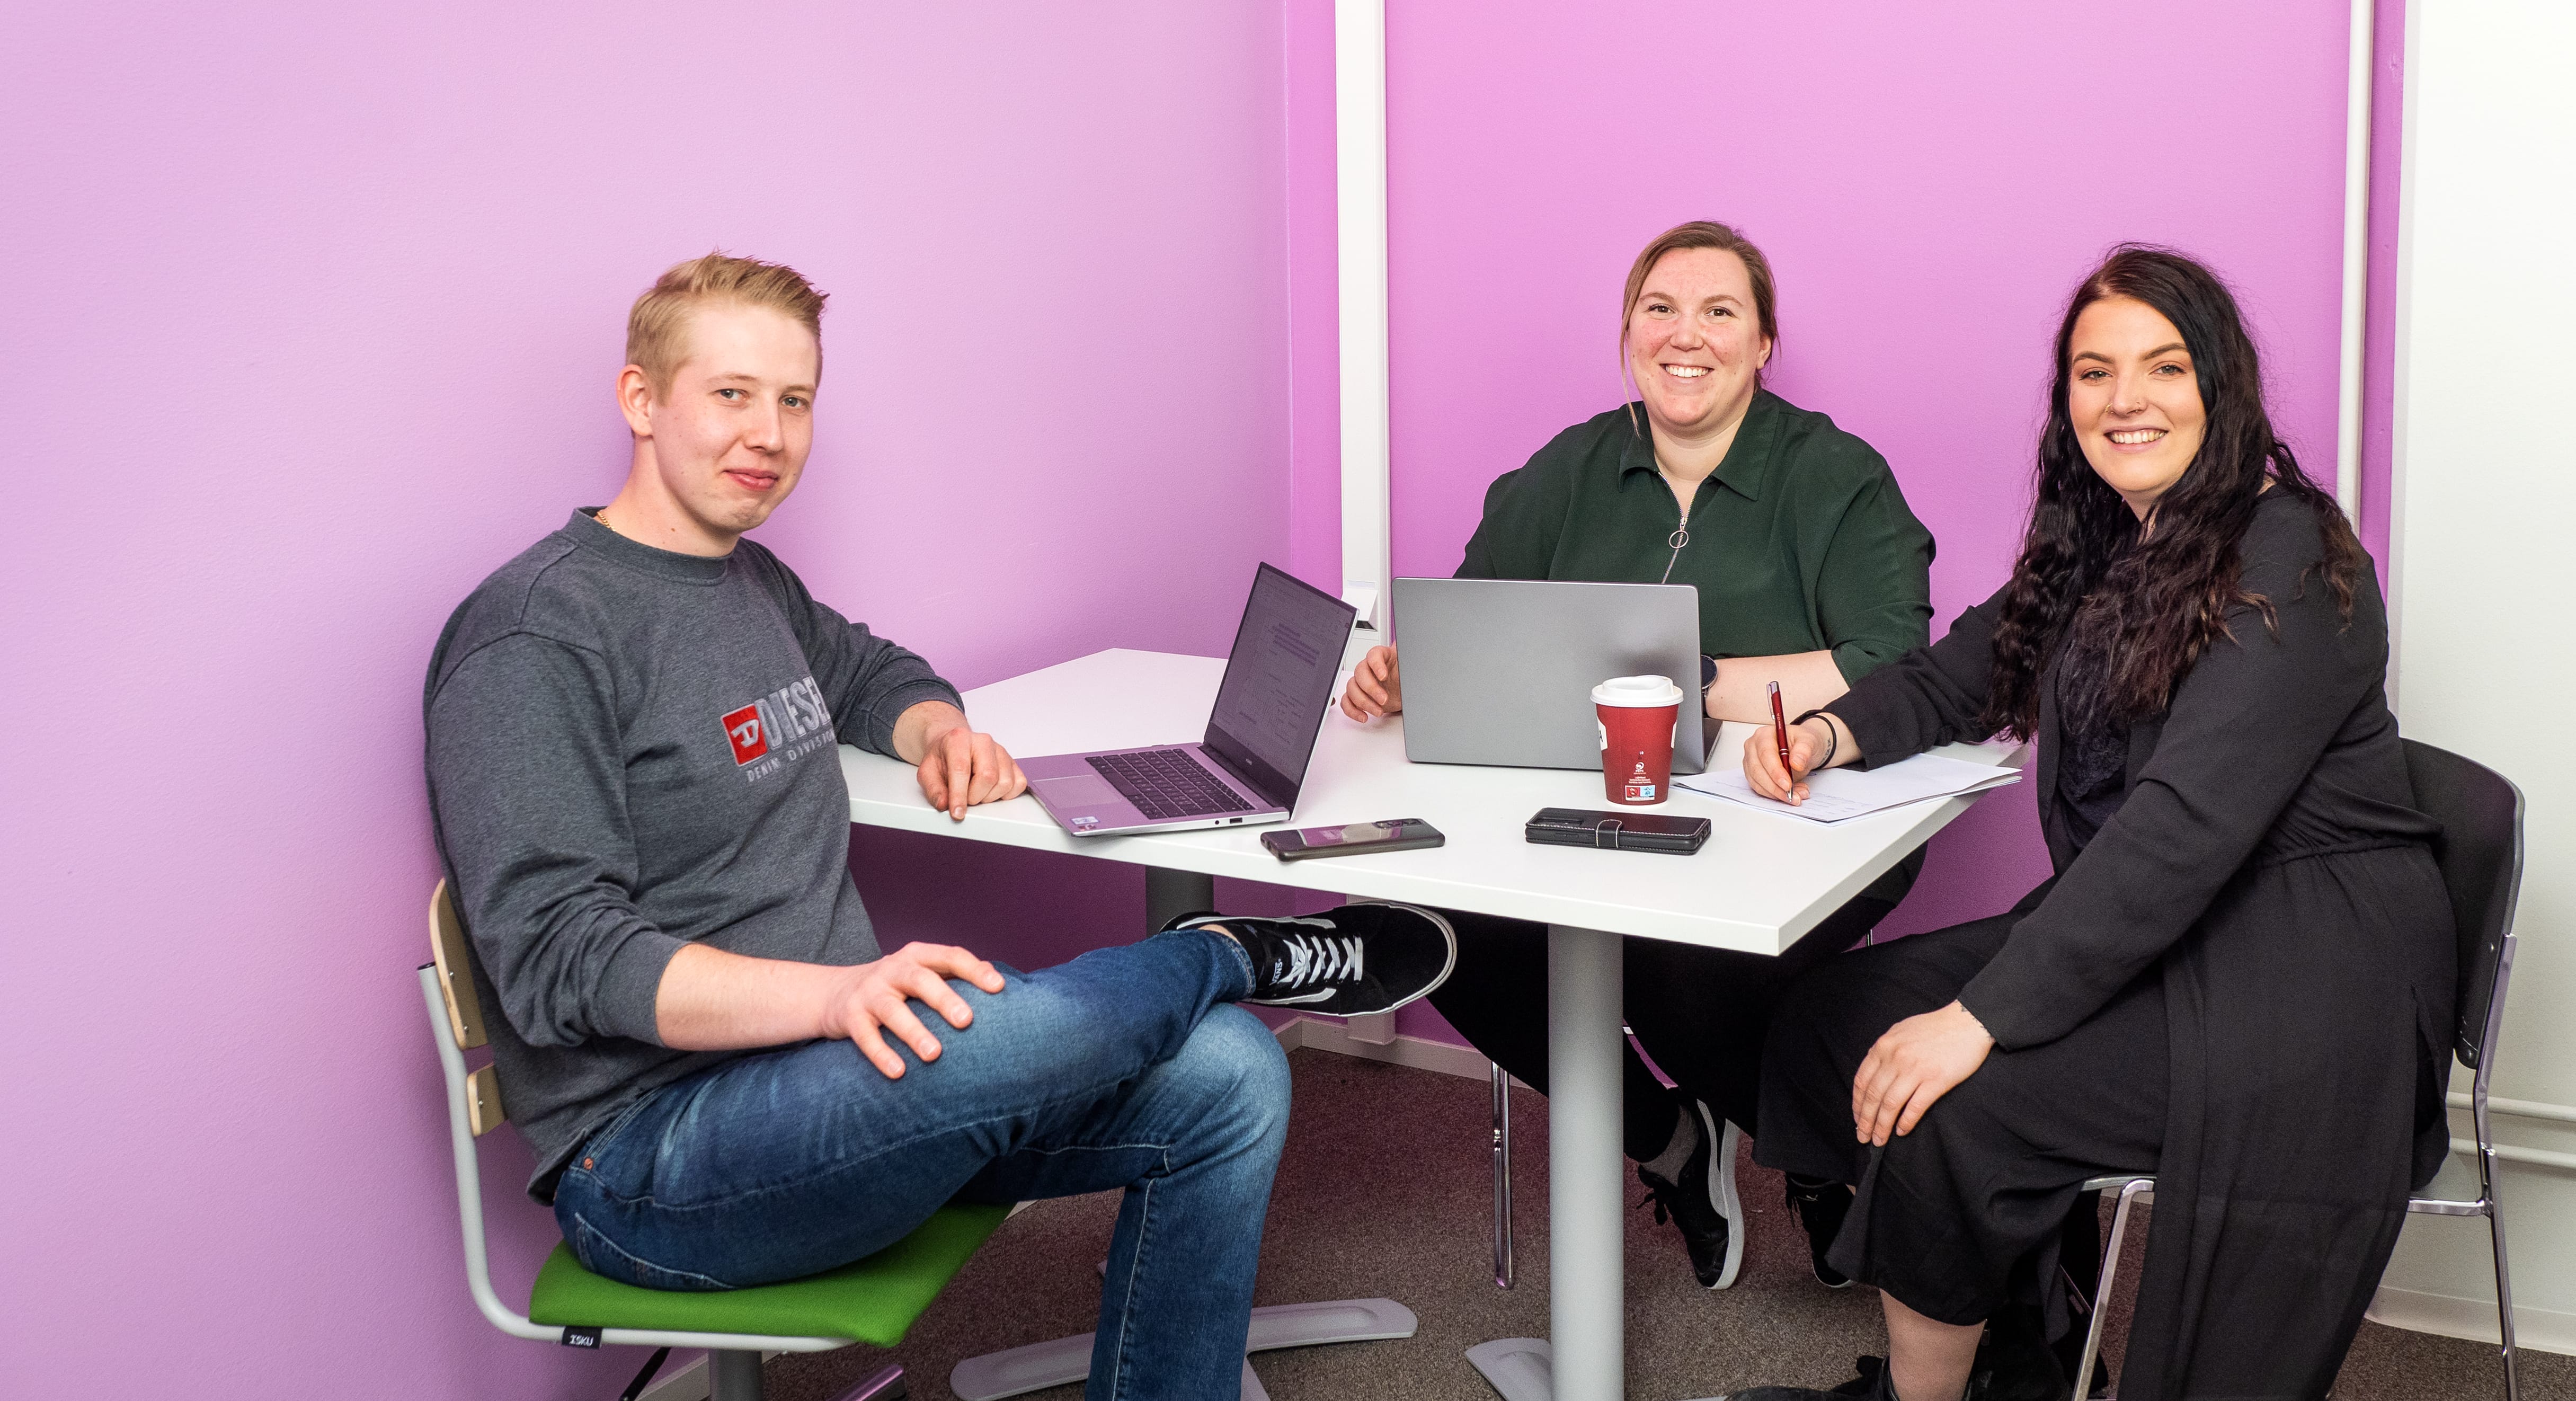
779	719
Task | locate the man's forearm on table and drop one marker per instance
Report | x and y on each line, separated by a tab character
920	724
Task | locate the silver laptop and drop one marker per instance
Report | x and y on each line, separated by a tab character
1269	708
1501	671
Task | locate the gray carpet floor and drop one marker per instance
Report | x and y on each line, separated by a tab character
1385	1190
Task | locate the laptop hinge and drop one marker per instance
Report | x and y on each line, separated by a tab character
1241	779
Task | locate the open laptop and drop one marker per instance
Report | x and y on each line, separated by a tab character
1501	671
1269	708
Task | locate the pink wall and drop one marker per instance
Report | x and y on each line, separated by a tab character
311	313
1929	182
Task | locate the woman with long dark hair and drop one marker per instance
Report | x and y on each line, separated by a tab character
2240	976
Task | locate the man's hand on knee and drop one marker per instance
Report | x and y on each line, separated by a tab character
878	997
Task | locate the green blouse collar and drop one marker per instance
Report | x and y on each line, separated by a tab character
1747	466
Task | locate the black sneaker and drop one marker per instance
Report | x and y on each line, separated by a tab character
1873	1383
1346	962
1703	1205
1821	1207
1867	1370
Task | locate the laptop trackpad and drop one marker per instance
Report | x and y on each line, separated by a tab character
1079	790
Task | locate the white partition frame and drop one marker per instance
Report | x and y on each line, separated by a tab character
1359	152
2484	497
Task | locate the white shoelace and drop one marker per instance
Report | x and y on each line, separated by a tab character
1316	958
1322	959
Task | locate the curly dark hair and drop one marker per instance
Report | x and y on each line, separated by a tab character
2137	612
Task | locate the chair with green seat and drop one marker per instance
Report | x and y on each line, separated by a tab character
872	1301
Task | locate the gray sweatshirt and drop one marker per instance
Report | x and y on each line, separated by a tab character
631	750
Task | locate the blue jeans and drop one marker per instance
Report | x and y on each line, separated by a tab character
1122	1068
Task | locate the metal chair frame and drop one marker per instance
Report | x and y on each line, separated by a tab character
2135	1187
474	1108
1502	1082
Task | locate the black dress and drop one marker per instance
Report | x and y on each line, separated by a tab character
2242	982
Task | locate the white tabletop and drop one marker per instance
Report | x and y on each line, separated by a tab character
1760	882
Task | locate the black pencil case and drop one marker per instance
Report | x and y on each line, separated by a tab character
1617	831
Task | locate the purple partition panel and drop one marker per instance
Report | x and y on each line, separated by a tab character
312	313
1929	182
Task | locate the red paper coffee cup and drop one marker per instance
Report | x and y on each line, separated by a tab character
1638	717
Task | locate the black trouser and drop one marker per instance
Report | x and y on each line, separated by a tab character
1947	1215
1700	1012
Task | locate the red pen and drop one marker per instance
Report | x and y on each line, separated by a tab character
1780	732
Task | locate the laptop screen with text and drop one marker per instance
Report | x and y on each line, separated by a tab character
1278	679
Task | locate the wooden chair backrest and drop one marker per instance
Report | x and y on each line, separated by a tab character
464	1010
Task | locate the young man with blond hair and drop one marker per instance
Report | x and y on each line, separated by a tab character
633	783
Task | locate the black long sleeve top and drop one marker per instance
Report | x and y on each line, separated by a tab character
2267	863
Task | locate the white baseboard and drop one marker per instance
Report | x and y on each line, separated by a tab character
1323	1034
2548	1330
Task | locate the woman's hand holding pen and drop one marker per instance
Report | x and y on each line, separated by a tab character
1817	738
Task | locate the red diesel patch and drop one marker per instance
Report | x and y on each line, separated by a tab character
749	738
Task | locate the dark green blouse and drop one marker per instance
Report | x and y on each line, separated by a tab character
1800	541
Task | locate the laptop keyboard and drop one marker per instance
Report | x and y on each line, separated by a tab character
1165	783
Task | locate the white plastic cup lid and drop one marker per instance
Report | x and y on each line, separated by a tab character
1637	691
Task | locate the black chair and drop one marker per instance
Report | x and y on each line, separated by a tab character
2480	853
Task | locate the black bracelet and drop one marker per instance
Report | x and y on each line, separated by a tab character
1833	737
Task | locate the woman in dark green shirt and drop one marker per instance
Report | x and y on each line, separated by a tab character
1811	572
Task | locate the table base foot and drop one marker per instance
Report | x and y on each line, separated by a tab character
1066	1360
1519	1369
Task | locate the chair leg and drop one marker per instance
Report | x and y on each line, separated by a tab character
1502	1178
733	1375
884	1384
644	1375
2102	1289
2504	1299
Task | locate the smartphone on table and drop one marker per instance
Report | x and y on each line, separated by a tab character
1391	834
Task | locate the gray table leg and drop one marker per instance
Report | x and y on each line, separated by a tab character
1586	1187
1584	1358
1169	893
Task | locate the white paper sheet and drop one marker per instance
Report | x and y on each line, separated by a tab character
1838	795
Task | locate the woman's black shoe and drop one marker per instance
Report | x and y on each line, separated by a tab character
1703	1204
1873	1384
1821	1207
